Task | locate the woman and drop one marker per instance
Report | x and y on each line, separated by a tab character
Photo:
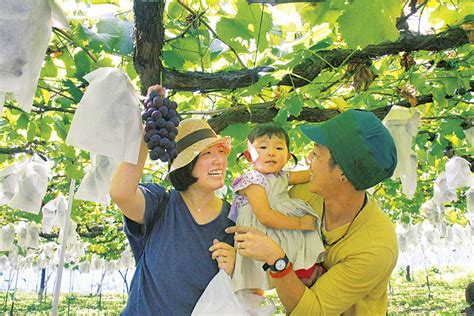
177	259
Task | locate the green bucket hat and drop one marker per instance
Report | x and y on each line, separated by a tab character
360	145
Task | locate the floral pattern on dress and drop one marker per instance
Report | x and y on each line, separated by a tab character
248	178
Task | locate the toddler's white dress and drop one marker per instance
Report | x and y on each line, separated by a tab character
304	248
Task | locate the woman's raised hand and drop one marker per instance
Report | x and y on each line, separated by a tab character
158	89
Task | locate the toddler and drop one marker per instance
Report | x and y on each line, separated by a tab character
261	200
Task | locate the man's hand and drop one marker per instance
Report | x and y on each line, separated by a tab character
224	254
251	242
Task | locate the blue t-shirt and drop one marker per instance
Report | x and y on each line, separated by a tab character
175	266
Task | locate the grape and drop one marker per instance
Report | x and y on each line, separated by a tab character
147	104
150	125
153	155
156	138
161	119
164	110
158	150
156	115
173	153
151	105
157	101
165	157
161	122
150	111
169	126
152	132
154	141
164	143
166	102
171	114
150	145
175	121
163	132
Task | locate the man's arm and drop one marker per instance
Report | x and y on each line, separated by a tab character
253	243
336	291
346	283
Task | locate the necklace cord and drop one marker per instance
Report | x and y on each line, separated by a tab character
325	243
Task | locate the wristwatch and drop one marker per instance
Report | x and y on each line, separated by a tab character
278	266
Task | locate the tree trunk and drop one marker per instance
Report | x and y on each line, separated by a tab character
149	35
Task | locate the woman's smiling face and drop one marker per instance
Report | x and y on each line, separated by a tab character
211	167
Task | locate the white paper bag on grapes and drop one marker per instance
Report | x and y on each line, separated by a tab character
458	173
441	192
84	267
53	214
107	121
72	237
126	259
76	251
8	188
470	200
32	185
96	182
4	263
7	234
28	235
25	30
33	231
9	180
403	125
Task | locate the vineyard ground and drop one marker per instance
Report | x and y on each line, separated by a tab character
443	296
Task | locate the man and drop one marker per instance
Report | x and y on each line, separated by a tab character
352	152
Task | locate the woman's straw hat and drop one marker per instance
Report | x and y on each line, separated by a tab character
195	135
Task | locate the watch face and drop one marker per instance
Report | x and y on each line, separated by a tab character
280	265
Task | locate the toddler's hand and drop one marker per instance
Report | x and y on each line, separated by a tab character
308	222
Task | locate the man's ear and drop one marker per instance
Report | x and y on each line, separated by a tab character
247	156
342	177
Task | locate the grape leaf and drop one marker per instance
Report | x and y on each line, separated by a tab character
367	22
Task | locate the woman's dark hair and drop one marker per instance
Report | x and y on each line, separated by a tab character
268	129
182	178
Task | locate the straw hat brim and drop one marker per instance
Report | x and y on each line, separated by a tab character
188	154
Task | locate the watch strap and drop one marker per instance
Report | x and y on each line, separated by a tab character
272	267
281	274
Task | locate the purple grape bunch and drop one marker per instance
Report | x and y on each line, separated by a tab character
161	121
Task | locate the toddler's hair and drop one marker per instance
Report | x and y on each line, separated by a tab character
268	129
